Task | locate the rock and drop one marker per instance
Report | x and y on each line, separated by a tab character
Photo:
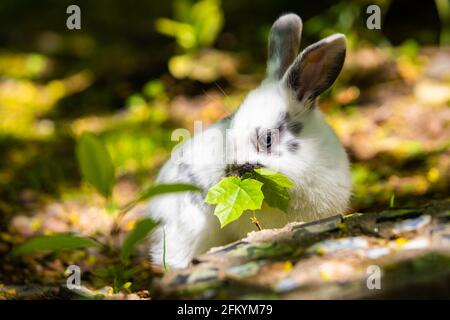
328	259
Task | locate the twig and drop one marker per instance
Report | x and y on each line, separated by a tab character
255	221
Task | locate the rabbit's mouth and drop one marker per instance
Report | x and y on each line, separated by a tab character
241	169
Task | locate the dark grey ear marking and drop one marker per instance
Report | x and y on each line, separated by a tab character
295	127
293	146
317	67
284	43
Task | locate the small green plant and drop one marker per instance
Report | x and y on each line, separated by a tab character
140	231
54	243
392	201
97	169
233	195
95	164
195	27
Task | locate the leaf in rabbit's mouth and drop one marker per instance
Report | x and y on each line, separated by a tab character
235	194
232	196
275	187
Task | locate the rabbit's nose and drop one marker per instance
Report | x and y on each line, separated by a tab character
248	166
243	168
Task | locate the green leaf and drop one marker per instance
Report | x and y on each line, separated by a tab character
278	178
392	201
54	243
127	285
232	196
275	196
182	32
153	88
141	230
95	164
275	188
156	190
163	188
207	20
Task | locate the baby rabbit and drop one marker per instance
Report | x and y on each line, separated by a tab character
278	126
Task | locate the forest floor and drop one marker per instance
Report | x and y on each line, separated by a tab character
397	132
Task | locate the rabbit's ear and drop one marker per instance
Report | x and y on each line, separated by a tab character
316	68
284	43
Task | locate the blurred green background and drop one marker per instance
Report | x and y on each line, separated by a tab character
138	69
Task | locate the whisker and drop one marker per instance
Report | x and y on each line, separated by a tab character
208	96
221	90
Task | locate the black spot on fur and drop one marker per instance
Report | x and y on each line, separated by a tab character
293	146
295	127
186	175
185	172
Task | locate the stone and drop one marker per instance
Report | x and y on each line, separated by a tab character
327	259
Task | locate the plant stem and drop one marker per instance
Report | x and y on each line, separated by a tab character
119	216
255	221
166	268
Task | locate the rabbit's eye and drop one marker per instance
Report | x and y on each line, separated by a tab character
268	140
265	141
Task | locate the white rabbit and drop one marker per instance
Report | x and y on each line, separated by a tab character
278	126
